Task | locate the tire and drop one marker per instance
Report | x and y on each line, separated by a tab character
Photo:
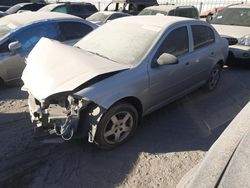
214	78
116	126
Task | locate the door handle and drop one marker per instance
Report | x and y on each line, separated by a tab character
212	54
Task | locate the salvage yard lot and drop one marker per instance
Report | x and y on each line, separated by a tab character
169	142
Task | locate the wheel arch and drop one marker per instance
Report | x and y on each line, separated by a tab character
135	102
221	63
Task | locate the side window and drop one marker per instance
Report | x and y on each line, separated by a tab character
5	47
202	35
62	9
30	36
91	8
171	13
115	16
73	30
176	43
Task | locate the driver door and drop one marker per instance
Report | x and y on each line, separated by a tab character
169	81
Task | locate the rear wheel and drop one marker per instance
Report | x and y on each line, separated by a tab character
213	78
116	126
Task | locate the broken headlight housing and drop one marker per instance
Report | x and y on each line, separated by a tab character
245	40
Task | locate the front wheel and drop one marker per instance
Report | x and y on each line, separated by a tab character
116	126
213	78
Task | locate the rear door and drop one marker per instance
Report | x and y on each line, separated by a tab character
203	39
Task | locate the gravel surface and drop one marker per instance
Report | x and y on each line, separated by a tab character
169	142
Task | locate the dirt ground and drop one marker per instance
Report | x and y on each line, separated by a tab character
169	142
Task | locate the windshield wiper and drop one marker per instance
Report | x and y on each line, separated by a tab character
95	53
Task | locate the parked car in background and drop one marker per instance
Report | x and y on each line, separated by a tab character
22	7
111	78
130	6
20	32
103	17
82	10
208	15
172	10
25	6
234	22
4	8
2	14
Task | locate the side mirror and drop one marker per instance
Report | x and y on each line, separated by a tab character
14	46
167	59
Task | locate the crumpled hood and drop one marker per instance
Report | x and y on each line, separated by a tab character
53	67
232	30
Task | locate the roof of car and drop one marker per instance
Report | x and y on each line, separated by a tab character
22	4
112	12
151	2
162	7
25	18
54	5
239	6
166	7
157	21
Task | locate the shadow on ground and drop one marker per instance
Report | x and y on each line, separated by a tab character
12	92
189	124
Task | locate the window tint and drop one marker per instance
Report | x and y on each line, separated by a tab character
91	8
203	36
29	37
62	9
176	43
186	12
115	16
5	47
78	9
32	7
73	30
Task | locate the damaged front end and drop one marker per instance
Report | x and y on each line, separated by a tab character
59	114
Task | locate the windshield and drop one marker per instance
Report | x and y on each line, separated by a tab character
152	12
13	9
121	42
98	17
233	16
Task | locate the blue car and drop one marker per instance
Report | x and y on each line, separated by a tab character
19	33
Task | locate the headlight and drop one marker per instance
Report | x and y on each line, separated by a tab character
245	40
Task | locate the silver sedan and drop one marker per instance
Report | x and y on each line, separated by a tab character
119	73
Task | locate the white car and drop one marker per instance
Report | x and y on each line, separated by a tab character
234	23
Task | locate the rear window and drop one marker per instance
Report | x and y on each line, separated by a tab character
202	36
91	8
186	12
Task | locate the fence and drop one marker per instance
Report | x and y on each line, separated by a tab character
202	5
